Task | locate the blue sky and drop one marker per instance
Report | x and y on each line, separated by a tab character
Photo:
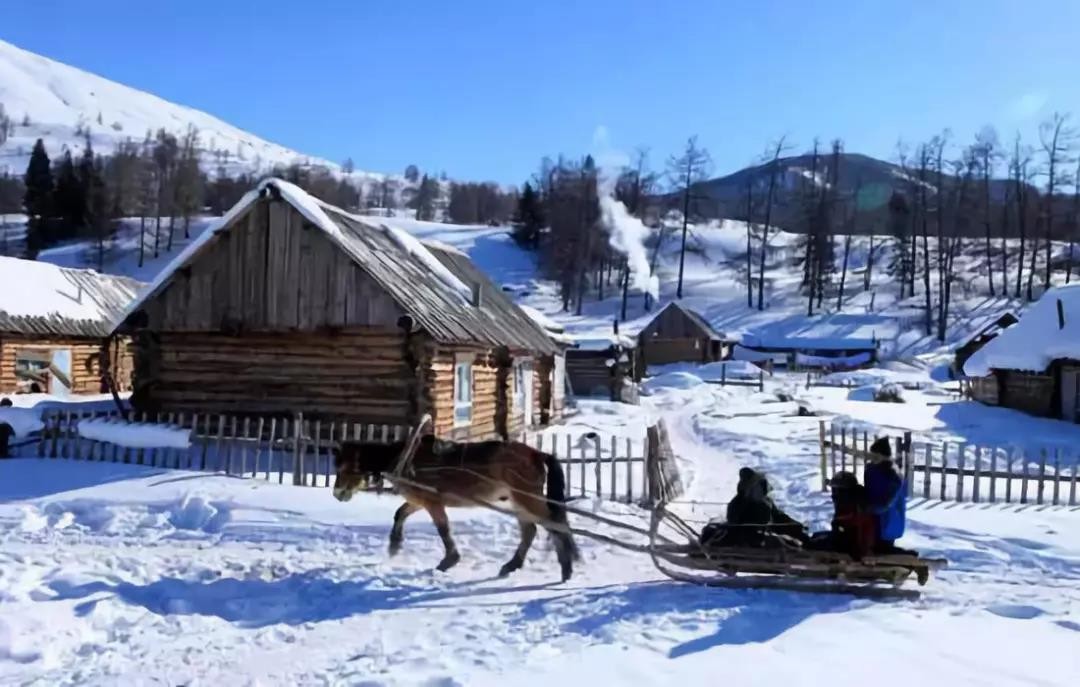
484	89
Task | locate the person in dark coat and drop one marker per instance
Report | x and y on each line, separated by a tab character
854	527
753	519
885	497
6	432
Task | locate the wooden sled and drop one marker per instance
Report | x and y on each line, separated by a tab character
789	568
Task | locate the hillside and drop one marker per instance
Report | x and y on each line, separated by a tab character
57	102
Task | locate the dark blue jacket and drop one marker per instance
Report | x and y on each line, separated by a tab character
886	497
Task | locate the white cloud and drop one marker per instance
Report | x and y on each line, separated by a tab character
1028	105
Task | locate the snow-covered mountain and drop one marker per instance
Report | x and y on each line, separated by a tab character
58	103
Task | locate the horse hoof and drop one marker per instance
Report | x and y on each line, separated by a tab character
395	548
567	573
448	562
510	567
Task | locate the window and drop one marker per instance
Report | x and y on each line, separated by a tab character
519	386
463	392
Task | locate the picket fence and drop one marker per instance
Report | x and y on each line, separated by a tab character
298	451
962	472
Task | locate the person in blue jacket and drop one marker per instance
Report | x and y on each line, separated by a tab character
886	496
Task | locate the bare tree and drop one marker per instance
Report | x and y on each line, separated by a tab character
687	170
986	151
850	228
1074	224
1058	140
770	198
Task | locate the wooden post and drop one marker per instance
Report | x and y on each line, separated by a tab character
315	456
909	464
824	461
230	446
567	472
961	459
329	462
1024	481
299	425
206	443
993	473
598	469
978	474
219	442
927	463
832	446
614	469
808	379
723	375
1009	453
645	469
629	471
65	450
1072	484
281	461
581	474
244	446
944	467
1042	475
761	380
269	446
1057	475
843	448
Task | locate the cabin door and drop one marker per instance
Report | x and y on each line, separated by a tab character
1070	394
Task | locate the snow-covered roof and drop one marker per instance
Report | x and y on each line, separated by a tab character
432	283
839	332
38	298
556	331
1037	340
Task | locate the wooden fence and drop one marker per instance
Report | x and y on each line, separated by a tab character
739	380
956	471
294	450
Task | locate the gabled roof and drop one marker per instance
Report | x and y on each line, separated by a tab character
434	284
42	299
1049	330
694	316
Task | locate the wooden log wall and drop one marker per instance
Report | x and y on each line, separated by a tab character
441	393
85	361
661	351
1029	392
360	374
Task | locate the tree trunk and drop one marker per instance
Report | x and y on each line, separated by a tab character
870	267
1021	223
986	217
765	232
625	289
172	226
142	236
926	251
749	269
843	273
1005	248
1031	269
685	221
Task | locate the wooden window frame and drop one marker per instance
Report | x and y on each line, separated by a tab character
463	407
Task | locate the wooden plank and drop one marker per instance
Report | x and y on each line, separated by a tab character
824	459
1042	476
993	473
299	448
1009	453
1057	476
581	475
231	446
218	443
315	457
244	446
281	461
65	449
978	475
908	452
206	442
843	448
269	446
941	496
629	471
1072	482
832	446
614	471
1024	479
598	470
928	455
961	459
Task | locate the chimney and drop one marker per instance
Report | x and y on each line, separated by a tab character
477	295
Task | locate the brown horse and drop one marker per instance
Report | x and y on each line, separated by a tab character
448	474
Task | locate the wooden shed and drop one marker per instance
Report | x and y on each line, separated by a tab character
292	305
980	338
55	326
1033	365
678	334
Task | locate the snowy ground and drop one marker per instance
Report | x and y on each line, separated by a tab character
114	574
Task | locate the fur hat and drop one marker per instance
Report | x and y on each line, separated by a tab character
881	447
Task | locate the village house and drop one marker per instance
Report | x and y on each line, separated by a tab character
55	326
678	334
1034	365
292	305
980	338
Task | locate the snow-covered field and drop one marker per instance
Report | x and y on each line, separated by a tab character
116	574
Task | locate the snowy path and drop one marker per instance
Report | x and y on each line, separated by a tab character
124	575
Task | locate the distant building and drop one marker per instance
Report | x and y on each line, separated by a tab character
1034	365
678	334
55	326
979	339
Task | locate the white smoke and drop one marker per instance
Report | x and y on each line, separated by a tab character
627	233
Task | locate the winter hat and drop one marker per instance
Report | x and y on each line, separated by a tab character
881	447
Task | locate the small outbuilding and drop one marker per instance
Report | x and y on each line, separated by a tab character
1034	365
55	326
293	305
678	334
980	338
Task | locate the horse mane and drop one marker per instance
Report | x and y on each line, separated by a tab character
369	456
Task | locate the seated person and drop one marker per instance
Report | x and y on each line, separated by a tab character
854	527
753	520
885	498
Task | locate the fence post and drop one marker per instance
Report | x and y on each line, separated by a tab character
723	375
832	446
824	465
1009	454
761	380
843	448
1042	475
1072	485
298	449
978	474
1024	482
944	467
961	459
909	464
598	469
614	469
284	438
629	471
1057	474
993	473
927	462
315	457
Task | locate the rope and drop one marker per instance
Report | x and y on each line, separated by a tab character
409	451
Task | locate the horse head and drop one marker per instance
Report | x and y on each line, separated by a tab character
359	465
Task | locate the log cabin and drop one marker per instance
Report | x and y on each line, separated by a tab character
293	305
678	334
1033	365
55	326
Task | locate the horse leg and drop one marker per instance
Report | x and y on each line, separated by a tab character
565	549
528	533
397	533
442	525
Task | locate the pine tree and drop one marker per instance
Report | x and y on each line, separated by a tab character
38	199
68	198
529	220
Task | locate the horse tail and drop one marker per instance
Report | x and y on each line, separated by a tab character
556	495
